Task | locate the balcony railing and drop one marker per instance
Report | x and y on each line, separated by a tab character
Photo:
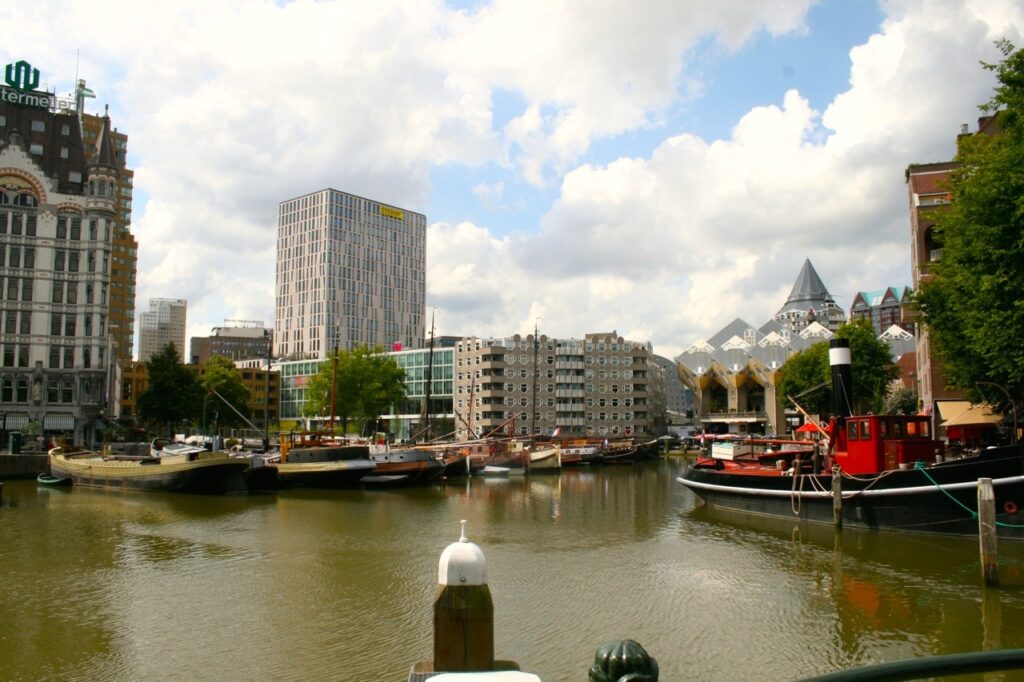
750	415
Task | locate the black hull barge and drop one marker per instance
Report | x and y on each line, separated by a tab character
936	498
880	472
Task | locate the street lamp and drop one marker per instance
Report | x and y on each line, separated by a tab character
1013	407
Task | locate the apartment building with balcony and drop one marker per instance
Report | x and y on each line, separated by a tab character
601	386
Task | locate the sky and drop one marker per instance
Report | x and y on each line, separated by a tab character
656	168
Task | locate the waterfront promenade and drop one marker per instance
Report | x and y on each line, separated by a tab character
340	584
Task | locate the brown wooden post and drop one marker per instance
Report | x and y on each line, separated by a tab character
987	532
837	497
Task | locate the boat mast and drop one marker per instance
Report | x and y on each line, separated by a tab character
334	379
266	403
430	380
472	391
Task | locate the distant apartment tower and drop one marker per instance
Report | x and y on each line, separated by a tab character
124	256
350	272
236	340
162	324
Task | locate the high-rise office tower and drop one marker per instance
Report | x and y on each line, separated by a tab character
162	324
350	272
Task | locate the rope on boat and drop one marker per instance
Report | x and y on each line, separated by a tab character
974	515
919	465
871	480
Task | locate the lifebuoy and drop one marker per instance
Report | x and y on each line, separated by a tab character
1010	507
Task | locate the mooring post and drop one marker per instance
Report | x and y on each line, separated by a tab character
987	532
463	611
837	497
464	622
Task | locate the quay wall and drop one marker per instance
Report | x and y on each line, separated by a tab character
22	466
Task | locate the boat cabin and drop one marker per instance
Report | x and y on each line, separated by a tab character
873	443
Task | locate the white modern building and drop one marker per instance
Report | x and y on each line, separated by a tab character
162	324
350	272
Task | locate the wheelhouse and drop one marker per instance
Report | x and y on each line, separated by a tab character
872	443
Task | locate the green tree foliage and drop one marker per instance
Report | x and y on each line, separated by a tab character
173	394
367	382
901	400
221	375
973	305
873	370
806	378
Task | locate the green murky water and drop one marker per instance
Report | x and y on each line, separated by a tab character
308	585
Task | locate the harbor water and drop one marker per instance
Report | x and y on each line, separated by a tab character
319	585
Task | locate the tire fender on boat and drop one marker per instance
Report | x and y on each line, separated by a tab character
1010	507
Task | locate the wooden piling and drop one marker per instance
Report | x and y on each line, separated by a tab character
463	628
987	532
837	497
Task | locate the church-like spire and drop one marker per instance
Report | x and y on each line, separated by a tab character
808	288
103	152
810	300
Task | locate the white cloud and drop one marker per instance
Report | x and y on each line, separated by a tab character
233	106
701	232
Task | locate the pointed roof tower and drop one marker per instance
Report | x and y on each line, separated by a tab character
810	300
103	153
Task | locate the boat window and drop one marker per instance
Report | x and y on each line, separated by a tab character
884	428
865	430
851	431
924	429
912	428
897	429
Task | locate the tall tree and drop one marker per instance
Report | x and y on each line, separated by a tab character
808	374
367	382
221	375
973	303
173	395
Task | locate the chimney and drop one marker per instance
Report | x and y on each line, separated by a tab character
842	378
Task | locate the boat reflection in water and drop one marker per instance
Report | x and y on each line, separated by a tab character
910	595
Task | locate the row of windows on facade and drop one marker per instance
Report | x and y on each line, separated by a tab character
58	321
293	233
39	126
25	259
601	360
589	416
295	221
17	390
547	344
601	430
550	375
562	403
17	355
551	388
68	227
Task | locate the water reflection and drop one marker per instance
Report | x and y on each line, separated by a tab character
314	584
881	596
